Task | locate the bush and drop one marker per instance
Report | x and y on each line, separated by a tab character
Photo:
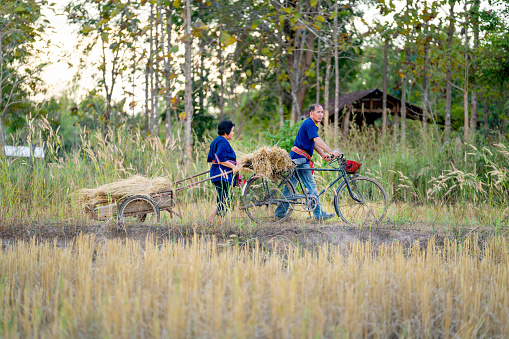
285	136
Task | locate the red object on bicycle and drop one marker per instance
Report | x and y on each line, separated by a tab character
352	166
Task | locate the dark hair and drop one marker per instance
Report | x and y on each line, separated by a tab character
225	127
313	107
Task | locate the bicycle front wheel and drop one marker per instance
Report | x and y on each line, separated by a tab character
371	207
264	201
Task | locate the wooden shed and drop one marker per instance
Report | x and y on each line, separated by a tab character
367	106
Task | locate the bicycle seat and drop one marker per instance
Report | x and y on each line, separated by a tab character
299	161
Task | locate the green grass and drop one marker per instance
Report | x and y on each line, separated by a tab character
449	183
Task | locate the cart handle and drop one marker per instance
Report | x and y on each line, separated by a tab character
194	183
193	176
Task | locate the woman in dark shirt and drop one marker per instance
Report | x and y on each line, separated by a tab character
223	159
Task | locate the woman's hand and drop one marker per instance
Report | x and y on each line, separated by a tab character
230	165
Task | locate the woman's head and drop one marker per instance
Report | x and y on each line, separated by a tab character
225	129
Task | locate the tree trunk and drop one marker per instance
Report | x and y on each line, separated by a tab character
384	95
167	60
346	120
280	95
158	26
106	114
475	116
465	90
336	87
147	97
403	108
2	138
319	56
189	84
151	71
201	93
318	59
326	94
425	85
396	123
404	82
448	75
221	75
486	127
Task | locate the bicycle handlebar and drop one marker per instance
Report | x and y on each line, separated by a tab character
340	157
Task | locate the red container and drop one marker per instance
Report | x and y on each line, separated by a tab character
352	167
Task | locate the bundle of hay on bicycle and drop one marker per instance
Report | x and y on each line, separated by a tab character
134	185
269	162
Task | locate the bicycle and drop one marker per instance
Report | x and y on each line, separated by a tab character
358	199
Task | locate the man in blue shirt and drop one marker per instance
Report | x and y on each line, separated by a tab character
306	142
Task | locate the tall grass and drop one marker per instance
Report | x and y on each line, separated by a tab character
198	288
455	179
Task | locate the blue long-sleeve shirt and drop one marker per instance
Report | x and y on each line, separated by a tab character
221	151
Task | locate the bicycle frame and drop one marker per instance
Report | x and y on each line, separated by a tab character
342	175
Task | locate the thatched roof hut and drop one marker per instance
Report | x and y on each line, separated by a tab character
369	102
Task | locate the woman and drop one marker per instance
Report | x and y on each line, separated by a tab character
223	160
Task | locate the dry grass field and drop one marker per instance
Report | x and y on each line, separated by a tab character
202	287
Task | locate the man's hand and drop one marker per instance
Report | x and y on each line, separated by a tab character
327	158
336	153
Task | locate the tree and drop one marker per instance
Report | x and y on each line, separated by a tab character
188	40
465	87
21	25
336	89
448	93
475	22
109	25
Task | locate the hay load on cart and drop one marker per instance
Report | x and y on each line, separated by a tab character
134	185
269	162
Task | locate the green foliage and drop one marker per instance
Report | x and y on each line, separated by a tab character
21	26
285	136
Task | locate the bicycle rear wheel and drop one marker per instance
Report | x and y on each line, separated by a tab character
262	197
372	206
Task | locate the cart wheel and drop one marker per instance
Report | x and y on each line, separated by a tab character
137	209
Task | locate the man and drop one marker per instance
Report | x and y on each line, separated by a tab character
306	142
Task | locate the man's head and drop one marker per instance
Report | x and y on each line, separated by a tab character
316	113
225	129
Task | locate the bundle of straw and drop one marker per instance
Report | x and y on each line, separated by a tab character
134	185
267	161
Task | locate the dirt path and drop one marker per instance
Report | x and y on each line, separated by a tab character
308	235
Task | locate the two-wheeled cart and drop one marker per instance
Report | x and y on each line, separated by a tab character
141	208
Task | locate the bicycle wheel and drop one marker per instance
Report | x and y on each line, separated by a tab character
262	197
370	210
137	209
